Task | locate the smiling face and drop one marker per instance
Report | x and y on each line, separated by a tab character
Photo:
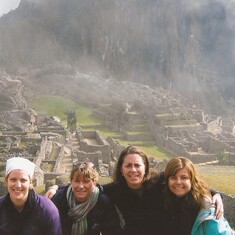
133	170
18	185
180	183
82	187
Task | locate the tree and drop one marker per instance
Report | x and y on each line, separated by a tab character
71	120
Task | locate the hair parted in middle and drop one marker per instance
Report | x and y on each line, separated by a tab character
117	177
199	189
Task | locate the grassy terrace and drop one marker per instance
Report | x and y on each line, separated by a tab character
219	177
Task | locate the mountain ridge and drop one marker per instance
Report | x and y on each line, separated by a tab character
181	47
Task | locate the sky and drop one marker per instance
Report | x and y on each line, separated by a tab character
8	5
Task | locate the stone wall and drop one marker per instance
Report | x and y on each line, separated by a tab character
59	159
102	145
212	145
145	136
202	158
52	176
38	178
116	148
229	208
94	157
42	153
174	146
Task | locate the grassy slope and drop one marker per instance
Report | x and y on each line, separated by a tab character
221	178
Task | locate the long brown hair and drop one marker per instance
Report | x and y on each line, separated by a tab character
199	188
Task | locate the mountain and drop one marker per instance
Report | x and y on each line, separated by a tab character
184	46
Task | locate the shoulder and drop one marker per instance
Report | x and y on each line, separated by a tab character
45	204
111	188
156	181
61	192
63	189
2	200
103	196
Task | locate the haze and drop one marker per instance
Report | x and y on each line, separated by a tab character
8	5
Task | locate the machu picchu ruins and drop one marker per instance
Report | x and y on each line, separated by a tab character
155	115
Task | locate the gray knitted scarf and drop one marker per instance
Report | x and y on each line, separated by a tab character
78	212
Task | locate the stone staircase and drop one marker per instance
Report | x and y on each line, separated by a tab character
74	142
67	162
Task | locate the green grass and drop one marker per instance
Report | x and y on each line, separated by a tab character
219	177
40	189
224	183
105	180
157	152
57	106
105	131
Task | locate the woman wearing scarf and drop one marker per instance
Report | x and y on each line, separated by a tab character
137	194
84	208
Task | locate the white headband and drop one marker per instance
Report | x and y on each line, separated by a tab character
19	163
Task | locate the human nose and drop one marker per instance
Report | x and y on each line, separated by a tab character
80	185
18	184
133	168
178	180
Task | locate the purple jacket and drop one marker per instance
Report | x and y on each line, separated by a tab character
39	216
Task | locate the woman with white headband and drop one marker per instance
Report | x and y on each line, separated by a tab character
22	211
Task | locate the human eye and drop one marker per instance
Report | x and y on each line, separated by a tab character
24	180
86	181
184	177
172	177
128	165
137	165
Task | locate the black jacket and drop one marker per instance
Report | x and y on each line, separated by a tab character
140	210
102	218
180	216
179	213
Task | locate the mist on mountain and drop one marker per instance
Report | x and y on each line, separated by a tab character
183	46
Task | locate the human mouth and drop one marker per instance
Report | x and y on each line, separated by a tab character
17	190
133	176
81	192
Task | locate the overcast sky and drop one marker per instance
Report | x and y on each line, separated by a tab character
7	5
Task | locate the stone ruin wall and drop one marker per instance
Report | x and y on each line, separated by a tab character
229	208
102	146
115	147
213	145
59	159
94	157
42	153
